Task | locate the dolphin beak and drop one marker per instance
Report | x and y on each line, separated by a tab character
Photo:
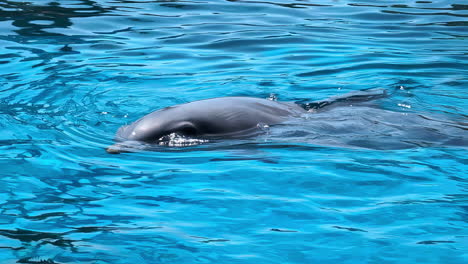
113	150
124	147
118	148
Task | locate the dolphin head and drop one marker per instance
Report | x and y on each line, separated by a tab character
150	129
136	136
142	130
147	129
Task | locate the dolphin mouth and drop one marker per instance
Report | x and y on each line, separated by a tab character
113	149
124	147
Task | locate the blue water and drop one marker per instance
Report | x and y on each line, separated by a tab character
72	72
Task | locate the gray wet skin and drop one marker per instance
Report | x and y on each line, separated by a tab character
220	117
211	117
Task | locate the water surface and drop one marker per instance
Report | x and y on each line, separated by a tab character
72	72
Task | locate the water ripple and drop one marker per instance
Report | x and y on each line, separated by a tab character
383	183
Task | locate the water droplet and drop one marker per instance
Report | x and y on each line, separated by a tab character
404	105
272	97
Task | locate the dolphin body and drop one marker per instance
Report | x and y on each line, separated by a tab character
223	117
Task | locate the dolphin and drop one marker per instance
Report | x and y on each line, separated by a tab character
222	117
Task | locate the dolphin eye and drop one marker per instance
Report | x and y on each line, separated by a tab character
187	129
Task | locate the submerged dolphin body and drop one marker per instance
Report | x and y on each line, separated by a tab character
221	117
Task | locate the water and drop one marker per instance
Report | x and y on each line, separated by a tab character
72	72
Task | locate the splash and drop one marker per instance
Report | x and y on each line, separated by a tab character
178	140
